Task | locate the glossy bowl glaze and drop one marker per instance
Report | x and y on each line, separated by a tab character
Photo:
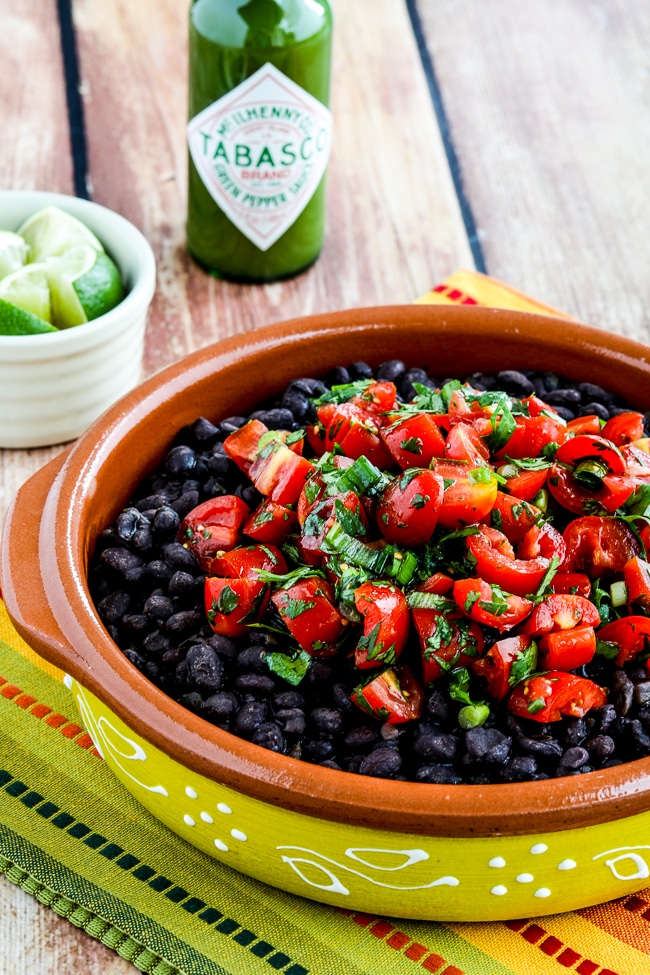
52	386
414	850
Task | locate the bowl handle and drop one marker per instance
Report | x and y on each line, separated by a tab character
20	571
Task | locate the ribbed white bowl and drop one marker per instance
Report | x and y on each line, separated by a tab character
52	386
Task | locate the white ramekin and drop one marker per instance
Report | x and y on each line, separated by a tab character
52	386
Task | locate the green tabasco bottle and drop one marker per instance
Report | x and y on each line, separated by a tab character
259	135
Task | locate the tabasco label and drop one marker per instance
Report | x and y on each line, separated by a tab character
261	151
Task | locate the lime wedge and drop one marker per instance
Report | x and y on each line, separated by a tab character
51	232
28	287
84	284
13	252
17	321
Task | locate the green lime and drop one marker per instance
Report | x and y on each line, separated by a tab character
84	284
28	287
17	321
13	252
51	232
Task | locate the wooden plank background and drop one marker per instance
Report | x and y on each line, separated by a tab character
548	111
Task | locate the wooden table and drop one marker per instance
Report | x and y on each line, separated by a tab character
508	137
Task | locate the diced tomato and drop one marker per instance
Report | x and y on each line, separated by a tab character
637	458
344	508
213	526
394	696
513	517
243	562
307	608
561	612
496	665
567	649
624	428
631	635
378	397
279	473
597	545
316	432
496	564
537	406
408	509
385	615
614	491
542	540
584	424
552	696
356	431
531	435
526	485
469	493
230	604
637	579
270	523
487	604
459	410
242	445
584	447
577	583
445	636
438	583
464	443
415	441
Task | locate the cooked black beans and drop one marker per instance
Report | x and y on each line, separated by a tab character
148	590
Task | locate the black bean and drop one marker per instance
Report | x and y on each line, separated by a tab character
158	607
289	699
128	522
159	570
360	370
594	409
622	692
341	698
204	668
192	701
383	763
327	720
204	432
269	735
156	643
480	381
184	622
391	371
438	706
232	423
257	684
600	747
406	388
112	608
279	418
292	720
136	623
318	750
515	383
252	659
519	768
487	745
221	706
435	745
591	393
563	397
565	412
219	462
136	659
330	763
574	758
122	561
250	716
338	376
640	737
362	737
180	460
142	540
546	747
438	774
603	717
575	730
642	693
182	584
186	503
166	521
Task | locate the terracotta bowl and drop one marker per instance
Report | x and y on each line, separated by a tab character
414	850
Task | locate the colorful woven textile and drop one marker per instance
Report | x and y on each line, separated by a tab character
73	837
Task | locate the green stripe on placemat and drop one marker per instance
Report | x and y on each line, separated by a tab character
75	838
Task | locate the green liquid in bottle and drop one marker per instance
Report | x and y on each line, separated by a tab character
259	147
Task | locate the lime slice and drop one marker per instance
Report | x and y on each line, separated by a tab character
84	284
17	321
28	287
51	232
13	252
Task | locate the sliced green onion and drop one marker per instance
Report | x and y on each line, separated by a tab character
589	473
541	500
430	600
473	716
618	593
404	567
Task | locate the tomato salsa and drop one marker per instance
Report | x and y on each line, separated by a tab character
442	582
